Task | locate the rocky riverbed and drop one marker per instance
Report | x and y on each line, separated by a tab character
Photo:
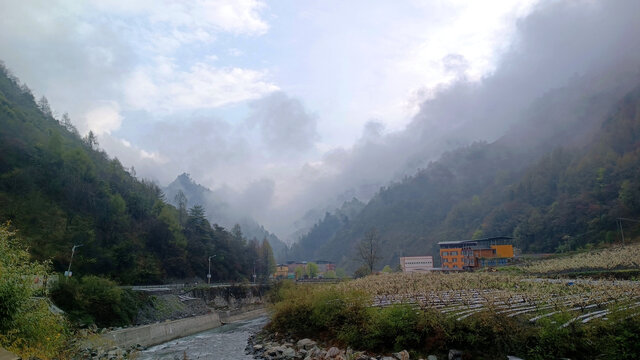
267	346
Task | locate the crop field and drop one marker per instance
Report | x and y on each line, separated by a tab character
490	315
619	257
464	294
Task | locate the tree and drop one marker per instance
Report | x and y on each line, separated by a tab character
330	274
341	273
300	272
312	269
387	269
181	201
267	258
91	140
362	271
43	105
236	231
369	249
66	122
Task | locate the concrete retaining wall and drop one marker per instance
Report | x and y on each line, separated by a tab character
6	355
153	334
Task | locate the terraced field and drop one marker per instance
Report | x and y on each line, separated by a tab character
462	295
612	258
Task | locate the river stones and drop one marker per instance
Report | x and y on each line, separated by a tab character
288	353
455	354
305	344
332	352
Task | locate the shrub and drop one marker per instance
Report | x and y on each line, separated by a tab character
291	315
394	328
96	300
27	327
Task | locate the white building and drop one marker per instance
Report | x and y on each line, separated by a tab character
416	264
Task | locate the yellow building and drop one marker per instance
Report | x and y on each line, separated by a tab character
281	271
470	254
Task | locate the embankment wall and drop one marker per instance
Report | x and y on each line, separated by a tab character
158	333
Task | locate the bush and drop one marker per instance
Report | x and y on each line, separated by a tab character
27	327
291	315
395	327
96	300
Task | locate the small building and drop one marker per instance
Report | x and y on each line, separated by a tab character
282	271
293	265
471	254
411	264
324	266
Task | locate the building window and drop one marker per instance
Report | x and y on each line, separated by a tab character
454	253
445	253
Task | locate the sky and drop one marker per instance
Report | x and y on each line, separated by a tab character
283	107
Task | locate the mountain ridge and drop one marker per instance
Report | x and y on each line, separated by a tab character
508	187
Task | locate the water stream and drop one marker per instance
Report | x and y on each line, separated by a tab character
224	343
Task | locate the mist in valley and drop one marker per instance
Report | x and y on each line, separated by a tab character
266	155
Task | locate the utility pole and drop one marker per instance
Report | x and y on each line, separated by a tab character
209	274
73	251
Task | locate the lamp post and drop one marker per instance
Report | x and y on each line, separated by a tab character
209	274
254	271
73	251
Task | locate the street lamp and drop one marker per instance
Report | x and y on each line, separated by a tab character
209	274
73	250
254	271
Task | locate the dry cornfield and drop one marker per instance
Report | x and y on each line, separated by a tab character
463	294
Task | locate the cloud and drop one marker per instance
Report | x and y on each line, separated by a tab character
145	162
162	83
164	87
284	124
235	16
590	54
256	198
131	53
103	119
586	48
455	63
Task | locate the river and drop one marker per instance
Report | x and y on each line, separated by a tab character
224	343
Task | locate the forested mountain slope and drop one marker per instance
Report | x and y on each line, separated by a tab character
220	212
306	249
58	190
559	191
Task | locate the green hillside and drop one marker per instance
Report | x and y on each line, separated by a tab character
220	212
58	189
560	192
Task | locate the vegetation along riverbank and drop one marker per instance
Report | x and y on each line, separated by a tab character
488	315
